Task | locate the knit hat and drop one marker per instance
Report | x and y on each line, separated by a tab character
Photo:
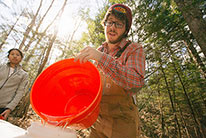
120	8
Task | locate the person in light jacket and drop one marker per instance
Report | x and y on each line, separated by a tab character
13	81
122	67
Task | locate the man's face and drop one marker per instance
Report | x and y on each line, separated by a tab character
114	30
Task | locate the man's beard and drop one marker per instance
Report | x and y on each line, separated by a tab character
117	40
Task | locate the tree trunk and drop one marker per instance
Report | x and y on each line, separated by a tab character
26	102
171	101
184	123
52	40
47	54
199	128
162	115
196	58
42	34
194	18
37	28
30	26
181	116
10	30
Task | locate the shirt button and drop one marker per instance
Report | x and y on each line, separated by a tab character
108	85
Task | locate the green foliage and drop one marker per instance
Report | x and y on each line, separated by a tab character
163	32
95	35
117	1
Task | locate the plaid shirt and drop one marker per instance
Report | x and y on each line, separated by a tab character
128	70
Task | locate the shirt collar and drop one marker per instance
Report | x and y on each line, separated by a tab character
17	66
120	45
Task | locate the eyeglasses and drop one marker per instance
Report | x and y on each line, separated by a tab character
117	25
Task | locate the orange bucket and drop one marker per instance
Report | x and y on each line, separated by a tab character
67	93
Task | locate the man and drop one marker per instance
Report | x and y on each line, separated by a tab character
122	67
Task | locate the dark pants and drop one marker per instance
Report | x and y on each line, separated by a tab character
2	110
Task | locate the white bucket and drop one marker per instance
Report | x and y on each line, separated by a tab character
38	130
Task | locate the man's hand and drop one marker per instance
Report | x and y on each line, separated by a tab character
88	53
5	114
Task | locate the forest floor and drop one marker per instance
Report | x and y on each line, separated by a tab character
33	117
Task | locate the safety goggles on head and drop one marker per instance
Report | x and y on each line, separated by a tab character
120	9
117	24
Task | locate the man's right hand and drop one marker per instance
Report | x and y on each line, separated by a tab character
88	53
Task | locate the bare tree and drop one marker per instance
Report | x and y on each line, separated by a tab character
5	37
53	39
23	108
38	26
30	26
